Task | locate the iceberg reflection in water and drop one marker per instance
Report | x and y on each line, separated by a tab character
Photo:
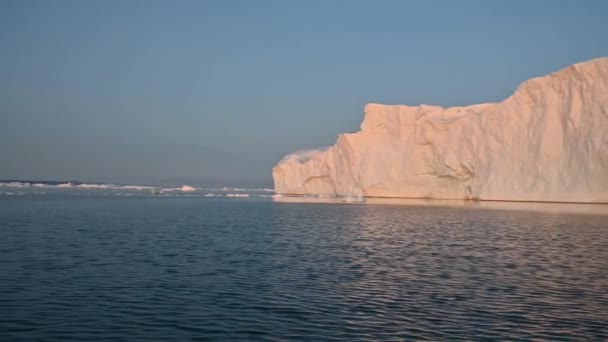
550	207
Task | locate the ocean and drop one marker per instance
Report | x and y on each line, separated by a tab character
175	268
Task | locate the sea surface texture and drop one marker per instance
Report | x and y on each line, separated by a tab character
217	269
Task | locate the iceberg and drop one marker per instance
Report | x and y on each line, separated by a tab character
187	188
546	142
238	195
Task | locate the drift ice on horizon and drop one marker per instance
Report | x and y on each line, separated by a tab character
546	142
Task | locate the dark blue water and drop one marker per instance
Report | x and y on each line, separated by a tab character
152	269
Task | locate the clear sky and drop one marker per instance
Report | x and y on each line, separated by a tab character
217	92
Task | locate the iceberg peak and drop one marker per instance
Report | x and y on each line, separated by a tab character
546	142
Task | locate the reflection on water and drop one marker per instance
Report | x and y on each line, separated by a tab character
194	269
572	208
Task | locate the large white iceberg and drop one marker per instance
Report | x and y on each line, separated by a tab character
546	142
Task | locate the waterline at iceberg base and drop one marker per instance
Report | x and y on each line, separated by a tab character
548	142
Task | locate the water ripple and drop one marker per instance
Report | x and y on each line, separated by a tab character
168	270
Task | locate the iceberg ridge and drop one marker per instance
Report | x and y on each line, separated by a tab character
546	142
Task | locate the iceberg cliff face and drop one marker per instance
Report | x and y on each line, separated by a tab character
547	142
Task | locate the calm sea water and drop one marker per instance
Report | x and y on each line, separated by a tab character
167	269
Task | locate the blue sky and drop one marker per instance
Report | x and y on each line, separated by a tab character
216	92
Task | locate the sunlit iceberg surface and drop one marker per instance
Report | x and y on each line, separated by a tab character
546	142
